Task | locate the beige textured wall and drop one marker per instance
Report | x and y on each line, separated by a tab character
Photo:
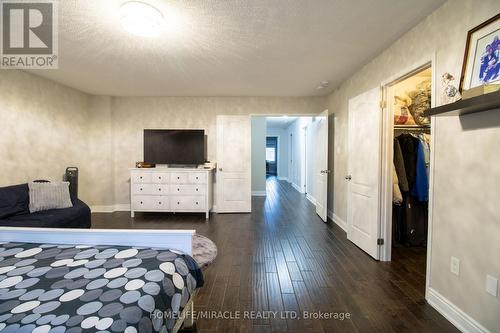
100	158
467	178
132	114
466	212
43	129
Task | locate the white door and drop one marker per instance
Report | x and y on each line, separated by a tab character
321	169
364	144
234	162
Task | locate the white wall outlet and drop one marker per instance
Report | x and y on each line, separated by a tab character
455	266
491	285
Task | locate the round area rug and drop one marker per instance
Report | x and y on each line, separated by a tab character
204	250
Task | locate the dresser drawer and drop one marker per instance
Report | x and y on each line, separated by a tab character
150	189
178	178
142	189
150	202
159	189
160	177
183	189
187	202
197	178
141	177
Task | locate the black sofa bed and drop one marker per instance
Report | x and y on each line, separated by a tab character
14	211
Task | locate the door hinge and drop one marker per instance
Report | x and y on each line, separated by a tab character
383	104
380	241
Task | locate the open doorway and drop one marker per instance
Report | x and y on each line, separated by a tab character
388	209
408	165
288	135
272	147
291	152
411	152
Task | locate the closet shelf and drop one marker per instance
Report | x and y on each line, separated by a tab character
415	127
465	106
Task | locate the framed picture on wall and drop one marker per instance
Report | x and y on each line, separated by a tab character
481	63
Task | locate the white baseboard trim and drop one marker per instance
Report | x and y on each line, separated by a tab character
110	208
338	221
258	193
122	207
311	199
297	187
455	315
102	209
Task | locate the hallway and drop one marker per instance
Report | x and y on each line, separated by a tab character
282	257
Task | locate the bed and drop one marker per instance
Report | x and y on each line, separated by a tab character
62	280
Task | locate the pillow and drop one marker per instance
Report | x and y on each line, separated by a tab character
44	196
14	200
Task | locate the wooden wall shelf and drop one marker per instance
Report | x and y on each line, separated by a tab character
465	106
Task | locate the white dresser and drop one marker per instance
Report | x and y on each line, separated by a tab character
171	190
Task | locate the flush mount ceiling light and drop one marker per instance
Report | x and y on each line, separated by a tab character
141	19
323	85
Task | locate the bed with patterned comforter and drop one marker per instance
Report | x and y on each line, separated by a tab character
70	288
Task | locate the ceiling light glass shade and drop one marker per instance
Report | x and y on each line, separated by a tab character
141	19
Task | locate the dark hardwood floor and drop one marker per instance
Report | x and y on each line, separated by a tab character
282	257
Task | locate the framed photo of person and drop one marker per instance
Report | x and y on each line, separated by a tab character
481	63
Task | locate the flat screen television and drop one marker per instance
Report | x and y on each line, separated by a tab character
174	146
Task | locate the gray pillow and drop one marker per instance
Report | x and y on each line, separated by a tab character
44	196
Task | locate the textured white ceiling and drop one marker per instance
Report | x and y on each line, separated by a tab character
228	48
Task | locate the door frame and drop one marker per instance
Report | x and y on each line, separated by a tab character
276	153
387	157
290	157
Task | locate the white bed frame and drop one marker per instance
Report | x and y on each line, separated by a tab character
180	240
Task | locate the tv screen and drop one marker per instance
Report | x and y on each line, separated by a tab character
174	146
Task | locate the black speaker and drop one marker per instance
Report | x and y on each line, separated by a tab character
71	176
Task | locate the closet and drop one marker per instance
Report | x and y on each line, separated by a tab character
408	98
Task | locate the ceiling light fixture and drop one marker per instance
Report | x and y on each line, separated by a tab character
323	85
141	19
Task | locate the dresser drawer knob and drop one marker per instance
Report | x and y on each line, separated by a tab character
196	190
178	177
140	177
196	177
159	189
159	202
178	189
196	202
159	177
141	188
178	203
141	202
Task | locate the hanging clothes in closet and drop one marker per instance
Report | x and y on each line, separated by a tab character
410	169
